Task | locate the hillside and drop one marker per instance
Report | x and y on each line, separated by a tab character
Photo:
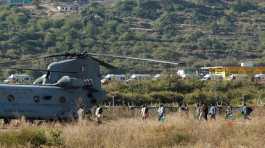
198	32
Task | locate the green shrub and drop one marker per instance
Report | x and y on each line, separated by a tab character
32	136
181	138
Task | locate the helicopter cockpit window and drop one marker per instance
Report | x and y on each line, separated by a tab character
48	75
10	98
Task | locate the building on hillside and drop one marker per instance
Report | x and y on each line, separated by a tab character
68	7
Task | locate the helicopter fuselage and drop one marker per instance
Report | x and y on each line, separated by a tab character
67	86
39	102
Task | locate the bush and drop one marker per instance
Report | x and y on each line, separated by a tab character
166	97
243	6
32	136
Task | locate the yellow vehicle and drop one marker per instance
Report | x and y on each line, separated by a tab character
227	71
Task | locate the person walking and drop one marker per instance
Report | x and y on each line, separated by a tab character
98	114
197	111
184	109
228	113
203	112
246	111
144	112
212	112
161	113
81	114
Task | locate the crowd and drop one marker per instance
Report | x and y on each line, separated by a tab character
203	111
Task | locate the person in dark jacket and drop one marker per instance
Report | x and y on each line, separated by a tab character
212	112
246	111
205	111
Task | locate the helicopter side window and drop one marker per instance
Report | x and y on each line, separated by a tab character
88	83
62	99
47	98
11	98
36	99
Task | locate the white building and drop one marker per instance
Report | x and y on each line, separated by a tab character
68	7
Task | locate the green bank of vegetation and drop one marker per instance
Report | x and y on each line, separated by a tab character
172	90
31	136
198	32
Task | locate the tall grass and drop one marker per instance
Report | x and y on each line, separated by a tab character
176	131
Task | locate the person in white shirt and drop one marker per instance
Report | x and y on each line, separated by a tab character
98	114
144	112
161	113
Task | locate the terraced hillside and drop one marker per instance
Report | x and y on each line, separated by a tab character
198	32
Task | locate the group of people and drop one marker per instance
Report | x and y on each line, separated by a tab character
202	112
161	113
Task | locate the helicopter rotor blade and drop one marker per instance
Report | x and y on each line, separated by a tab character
32	58
40	70
8	57
134	58
104	64
113	69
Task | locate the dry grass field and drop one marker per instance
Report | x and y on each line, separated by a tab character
124	132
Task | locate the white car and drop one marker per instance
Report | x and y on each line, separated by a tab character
259	78
212	77
140	77
237	77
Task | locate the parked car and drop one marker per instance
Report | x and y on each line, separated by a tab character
212	77
140	77
113	77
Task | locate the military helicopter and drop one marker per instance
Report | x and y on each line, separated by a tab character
66	86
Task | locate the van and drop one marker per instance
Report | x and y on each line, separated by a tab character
140	77
259	78
113	77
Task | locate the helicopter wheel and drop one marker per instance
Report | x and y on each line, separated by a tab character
7	121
